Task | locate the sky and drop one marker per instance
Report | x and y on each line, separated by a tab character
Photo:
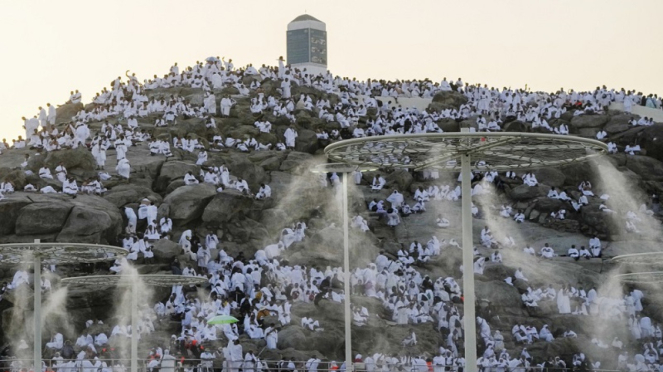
50	48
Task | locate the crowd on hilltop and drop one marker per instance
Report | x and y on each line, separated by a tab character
261	290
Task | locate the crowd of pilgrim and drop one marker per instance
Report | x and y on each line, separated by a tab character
260	290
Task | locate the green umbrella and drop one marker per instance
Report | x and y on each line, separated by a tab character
223	319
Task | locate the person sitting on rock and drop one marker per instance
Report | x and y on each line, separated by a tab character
573	252
584	253
264	192
547	251
529	179
190	179
70	187
519	217
45	173
519	275
378	183
442	222
410	340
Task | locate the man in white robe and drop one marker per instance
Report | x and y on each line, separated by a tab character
45	173
70	187
226	104
123	168
396	198
378	183
51	116
290	136
61	173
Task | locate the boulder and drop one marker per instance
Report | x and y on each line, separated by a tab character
293	337
651	141
226	205
307	141
449	100
86	225
296	161
9	212
273	219
247	230
166	250
42	218
122	195
646	167
501	295
550	176
172	170
516	126
241	167
243	132
189	126
589	121
16	177
271	164
187	203
578	172
596	221
549	205
64	113
618	124
448	125
72	159
400	179
524	192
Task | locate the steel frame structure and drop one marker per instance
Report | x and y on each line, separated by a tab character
455	152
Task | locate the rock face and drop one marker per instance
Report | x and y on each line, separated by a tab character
187	203
166	250
173	170
448	100
589	121
225	206
524	192
92	220
42	218
86	219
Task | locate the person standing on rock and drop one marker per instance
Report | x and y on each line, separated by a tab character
271	336
51	116
99	154
236	357
226	104
281	67
43	117
210	104
121	148
290	136
285	88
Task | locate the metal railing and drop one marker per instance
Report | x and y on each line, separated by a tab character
217	364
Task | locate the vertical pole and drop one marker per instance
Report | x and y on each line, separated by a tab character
37	309
346	281
468	267
134	326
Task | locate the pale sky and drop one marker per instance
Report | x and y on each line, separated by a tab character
49	48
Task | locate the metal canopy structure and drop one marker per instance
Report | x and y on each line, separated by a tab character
38	253
153	280
645	259
649	277
462	152
58	253
489	151
130	281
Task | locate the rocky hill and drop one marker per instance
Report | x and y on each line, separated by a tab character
245	224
